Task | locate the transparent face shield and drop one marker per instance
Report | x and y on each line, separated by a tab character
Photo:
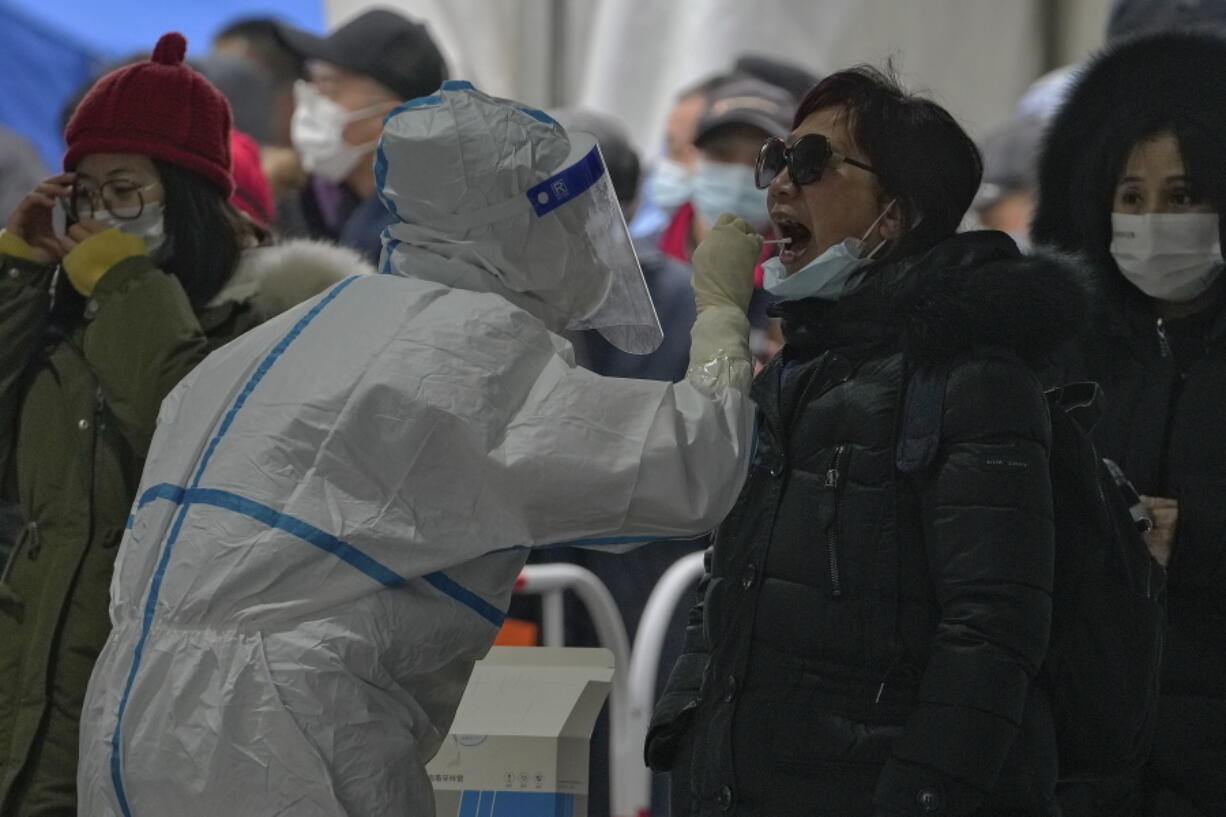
583	194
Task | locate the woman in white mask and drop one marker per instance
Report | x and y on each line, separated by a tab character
865	645
1133	178
98	322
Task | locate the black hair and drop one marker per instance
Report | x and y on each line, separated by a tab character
203	230
205	235
624	170
921	155
1126	95
1106	156
268	48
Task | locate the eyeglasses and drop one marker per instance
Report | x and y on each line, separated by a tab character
119	197
805	160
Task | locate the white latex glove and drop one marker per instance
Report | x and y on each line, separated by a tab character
723	284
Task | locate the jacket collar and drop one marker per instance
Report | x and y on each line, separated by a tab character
973	290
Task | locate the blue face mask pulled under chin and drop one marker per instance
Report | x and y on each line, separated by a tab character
830	276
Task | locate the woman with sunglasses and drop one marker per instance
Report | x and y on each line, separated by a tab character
97	322
1133	179
866	639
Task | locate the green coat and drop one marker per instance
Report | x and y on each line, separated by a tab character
76	418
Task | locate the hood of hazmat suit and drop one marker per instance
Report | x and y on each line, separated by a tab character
336	505
541	220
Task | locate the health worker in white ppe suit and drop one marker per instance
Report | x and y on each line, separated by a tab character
336	506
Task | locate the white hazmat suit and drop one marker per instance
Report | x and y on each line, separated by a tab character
336	505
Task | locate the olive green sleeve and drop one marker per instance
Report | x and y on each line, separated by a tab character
25	303
141	338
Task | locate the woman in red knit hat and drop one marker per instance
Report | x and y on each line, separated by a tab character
97	323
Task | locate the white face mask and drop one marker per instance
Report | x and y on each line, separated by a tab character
672	185
830	276
149	225
1168	256
317	133
721	187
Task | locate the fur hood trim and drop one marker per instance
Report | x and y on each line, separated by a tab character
1028	304
277	277
1127	91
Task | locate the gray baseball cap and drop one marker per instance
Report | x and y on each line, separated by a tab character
747	101
1011	158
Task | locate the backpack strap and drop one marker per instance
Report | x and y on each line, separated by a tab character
919	437
1081	401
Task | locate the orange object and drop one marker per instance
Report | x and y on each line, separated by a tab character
517	633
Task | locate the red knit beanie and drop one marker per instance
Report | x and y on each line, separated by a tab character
160	108
252	193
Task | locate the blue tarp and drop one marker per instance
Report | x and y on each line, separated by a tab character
53	47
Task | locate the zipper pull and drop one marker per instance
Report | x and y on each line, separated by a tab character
834	474
889	671
1164	345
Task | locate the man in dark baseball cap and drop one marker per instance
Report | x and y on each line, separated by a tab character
358	73
387	47
739	115
744	103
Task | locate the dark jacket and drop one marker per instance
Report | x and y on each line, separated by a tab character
668	281
1165	388
77	413
865	641
350	221
1164	384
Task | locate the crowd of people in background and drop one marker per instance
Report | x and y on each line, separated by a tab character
864	641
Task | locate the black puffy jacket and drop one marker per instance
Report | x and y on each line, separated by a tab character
865	641
1165	386
1165	390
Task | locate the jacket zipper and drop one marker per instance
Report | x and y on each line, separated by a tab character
834	480
1164	345
1173	399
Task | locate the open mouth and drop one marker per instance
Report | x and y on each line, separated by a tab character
798	236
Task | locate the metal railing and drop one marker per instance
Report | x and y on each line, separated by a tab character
634	783
635	671
551	581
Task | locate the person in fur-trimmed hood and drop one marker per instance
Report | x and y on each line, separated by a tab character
866	643
1133	177
156	270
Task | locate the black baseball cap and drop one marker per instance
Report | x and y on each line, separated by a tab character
746	101
386	46
791	77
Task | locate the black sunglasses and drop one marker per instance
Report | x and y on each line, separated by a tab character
805	160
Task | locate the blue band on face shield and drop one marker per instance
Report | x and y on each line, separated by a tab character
574	181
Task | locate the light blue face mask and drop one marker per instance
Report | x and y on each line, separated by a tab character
720	187
830	276
671	185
